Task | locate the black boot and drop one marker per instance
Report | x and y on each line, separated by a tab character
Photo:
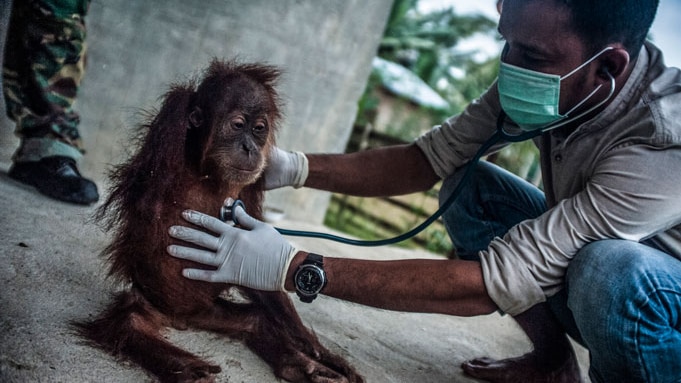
56	177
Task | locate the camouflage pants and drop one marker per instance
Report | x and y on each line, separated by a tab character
43	65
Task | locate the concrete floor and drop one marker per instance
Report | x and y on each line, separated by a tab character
51	274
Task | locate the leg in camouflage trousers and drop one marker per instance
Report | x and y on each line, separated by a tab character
43	66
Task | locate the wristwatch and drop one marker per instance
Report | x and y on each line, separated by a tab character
310	278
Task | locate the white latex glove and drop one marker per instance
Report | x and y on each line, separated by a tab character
285	169
255	256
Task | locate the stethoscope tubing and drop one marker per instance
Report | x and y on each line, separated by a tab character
499	135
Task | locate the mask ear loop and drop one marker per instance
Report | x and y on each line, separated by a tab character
577	117
587	62
612	89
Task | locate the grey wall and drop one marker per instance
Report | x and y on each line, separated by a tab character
137	48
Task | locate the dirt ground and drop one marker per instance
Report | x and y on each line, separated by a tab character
51	274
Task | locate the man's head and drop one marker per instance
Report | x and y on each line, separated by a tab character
557	36
599	23
604	22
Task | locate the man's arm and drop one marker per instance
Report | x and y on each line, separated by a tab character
451	287
390	170
257	256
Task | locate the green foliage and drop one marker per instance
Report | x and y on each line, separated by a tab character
426	44
368	103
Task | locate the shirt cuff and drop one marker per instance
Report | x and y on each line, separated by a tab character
509	284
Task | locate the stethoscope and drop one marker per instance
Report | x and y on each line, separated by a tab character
226	210
500	134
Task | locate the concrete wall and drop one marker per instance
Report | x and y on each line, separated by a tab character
137	48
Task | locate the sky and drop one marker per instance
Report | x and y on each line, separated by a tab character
665	32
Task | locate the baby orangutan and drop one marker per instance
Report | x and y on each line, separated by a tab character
208	142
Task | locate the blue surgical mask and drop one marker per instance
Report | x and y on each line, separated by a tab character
531	98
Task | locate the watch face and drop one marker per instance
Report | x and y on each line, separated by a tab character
309	279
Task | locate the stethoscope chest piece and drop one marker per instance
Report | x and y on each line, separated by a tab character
227	210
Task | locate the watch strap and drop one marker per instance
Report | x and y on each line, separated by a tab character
314	259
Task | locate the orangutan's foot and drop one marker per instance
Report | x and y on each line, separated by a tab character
526	369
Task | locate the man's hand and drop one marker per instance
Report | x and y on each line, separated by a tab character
285	169
255	255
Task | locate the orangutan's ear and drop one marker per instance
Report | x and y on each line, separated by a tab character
196	117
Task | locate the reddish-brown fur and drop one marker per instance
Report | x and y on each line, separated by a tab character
187	156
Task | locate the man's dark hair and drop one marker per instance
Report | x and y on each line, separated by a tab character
602	22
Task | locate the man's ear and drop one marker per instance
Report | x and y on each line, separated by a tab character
615	62
196	117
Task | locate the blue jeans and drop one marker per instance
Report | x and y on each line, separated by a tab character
622	299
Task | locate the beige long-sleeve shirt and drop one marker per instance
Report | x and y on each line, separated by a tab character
616	176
